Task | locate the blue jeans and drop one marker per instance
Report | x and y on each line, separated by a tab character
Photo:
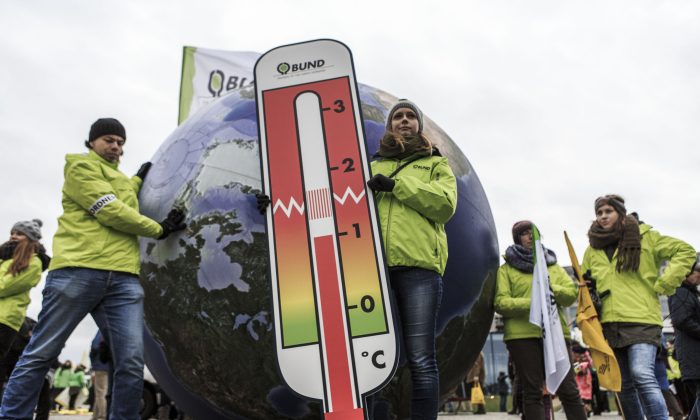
418	293
115	301
639	383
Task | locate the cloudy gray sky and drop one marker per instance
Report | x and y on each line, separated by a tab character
553	102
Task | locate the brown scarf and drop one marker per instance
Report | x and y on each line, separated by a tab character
627	237
396	146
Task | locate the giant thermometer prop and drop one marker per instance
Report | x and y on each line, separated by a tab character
334	331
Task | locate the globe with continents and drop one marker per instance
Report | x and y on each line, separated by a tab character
210	341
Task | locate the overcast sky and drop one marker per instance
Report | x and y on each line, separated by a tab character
553	102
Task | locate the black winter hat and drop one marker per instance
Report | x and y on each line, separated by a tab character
105	126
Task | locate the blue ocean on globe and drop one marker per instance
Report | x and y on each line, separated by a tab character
210	342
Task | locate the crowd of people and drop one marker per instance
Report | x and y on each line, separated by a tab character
95	268
627	266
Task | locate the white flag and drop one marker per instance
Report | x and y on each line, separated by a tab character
209	74
544	314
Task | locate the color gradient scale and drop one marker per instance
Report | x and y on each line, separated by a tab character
334	330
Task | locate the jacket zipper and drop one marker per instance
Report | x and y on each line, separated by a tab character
388	220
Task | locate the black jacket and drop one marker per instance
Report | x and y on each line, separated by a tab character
684	306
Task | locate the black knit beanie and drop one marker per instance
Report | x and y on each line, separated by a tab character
106	126
405	103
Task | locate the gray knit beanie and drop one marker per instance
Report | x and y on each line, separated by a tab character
405	103
31	228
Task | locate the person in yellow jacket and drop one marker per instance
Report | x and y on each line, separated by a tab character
524	339
95	270
76	383
416	195
622	265
22	259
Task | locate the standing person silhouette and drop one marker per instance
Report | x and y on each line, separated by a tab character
622	265
94	271
416	194
684	307
524	339
22	259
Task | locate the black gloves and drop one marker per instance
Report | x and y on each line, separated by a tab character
381	182
593	291
590	281
45	259
7	250
263	201
173	223
143	170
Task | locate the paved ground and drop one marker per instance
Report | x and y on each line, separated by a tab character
503	416
461	416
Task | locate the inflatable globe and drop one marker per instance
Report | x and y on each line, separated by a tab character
208	308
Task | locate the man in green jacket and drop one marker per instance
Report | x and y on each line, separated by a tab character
95	270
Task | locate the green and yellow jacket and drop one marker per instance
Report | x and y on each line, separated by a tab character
14	291
512	301
633	296
413	215
100	224
77	379
62	377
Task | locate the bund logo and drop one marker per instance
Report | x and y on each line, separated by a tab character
283	68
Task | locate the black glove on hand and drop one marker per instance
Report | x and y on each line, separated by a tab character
590	281
143	170
381	182
7	250
263	201
593	291
173	223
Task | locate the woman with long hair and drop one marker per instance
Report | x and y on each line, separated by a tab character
22	259
416	195
622	265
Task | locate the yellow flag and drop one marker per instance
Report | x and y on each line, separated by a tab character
587	319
